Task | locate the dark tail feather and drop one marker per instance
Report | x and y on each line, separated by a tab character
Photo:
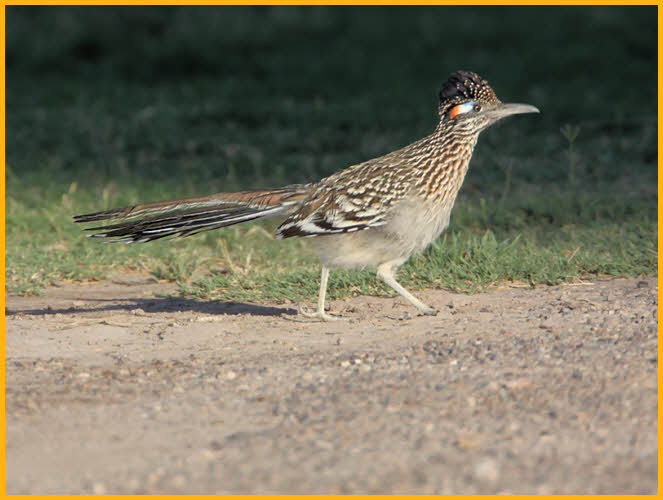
188	216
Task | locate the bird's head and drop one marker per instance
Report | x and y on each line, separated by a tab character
468	104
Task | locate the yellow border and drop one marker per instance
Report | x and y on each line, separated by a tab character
314	2
660	236
331	2
2	241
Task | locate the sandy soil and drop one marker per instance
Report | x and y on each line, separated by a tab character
111	389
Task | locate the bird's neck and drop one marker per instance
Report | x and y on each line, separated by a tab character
442	175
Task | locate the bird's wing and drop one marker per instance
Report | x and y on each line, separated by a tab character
354	199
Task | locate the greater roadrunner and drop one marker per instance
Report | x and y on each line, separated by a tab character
376	213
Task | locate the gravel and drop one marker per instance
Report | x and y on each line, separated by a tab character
552	390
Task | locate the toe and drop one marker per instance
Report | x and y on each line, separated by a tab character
318	314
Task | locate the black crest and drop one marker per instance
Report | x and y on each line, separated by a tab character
464	86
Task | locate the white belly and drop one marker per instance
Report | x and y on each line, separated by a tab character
412	227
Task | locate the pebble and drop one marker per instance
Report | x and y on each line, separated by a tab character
519	383
179	481
98	488
325	445
487	469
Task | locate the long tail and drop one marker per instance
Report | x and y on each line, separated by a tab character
187	216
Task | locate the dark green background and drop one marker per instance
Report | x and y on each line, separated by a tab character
305	91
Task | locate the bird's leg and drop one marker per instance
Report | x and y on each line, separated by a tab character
320	312
386	272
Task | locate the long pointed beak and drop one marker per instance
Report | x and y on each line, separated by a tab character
507	109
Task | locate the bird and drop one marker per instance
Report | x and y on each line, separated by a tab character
373	214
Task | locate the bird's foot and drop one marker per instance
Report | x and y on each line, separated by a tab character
427	311
320	313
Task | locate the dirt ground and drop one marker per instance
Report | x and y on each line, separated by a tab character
113	389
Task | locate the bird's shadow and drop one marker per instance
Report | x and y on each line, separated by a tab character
159	305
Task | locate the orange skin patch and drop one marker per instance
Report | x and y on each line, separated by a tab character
460	109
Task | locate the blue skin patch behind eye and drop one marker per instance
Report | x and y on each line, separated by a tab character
465	108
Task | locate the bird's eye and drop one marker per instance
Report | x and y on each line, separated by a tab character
477	107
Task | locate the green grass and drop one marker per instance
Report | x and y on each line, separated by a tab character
472	258
171	105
